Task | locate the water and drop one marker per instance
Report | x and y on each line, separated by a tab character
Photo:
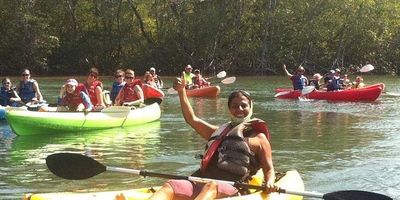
334	146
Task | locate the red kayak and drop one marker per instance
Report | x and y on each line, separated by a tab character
368	93
151	92
211	91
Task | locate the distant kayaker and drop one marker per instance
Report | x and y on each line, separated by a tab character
359	82
188	76
8	95
28	89
335	82
131	94
94	88
118	84
149	80
156	77
198	80
235	151
315	81
73	97
299	81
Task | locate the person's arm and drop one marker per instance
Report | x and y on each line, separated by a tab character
99	96
264	153
16	97
86	101
120	98
61	96
37	90
203	128
286	71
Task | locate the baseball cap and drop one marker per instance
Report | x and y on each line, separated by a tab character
72	82
152	69
188	67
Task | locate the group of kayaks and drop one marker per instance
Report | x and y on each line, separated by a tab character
368	93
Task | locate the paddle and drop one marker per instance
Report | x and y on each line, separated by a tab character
221	74
367	68
77	167
225	81
304	91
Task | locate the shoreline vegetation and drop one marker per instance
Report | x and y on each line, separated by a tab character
65	38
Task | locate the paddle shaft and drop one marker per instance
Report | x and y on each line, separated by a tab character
145	173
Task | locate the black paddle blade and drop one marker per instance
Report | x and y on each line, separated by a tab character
150	101
355	195
73	166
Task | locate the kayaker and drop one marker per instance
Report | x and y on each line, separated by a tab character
28	89
315	81
8	95
118	84
94	87
298	79
131	94
358	83
73	97
225	158
335	82
188	76
156	78
198	80
149	80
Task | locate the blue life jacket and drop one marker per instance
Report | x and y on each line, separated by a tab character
26	91
5	97
299	81
334	84
116	87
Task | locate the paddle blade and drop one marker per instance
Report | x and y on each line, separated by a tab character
221	74
282	93
73	166
307	90
229	80
355	195
367	68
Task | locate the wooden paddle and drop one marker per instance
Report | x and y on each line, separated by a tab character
225	81
77	167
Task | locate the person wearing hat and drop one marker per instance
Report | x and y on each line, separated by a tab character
335	81
315	81
299	81
156	77
188	76
198	80
74	97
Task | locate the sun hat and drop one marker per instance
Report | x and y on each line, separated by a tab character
72	82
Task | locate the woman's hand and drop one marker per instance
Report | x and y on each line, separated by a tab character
179	84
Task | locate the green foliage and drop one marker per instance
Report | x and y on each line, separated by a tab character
242	37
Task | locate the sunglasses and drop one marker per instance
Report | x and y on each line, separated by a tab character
6	83
129	77
25	74
118	76
93	75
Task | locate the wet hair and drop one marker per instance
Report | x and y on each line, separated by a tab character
236	93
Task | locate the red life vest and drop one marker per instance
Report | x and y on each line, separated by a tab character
91	89
218	136
129	92
75	98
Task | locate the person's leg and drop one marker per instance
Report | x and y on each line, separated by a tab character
164	193
209	191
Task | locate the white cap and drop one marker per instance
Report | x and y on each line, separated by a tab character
72	82
188	67
152	69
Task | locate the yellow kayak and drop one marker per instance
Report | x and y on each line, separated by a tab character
291	180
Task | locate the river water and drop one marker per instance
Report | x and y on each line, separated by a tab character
334	146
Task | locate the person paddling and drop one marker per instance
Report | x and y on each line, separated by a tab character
251	151
187	75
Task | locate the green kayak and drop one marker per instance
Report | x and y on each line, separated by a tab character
24	122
